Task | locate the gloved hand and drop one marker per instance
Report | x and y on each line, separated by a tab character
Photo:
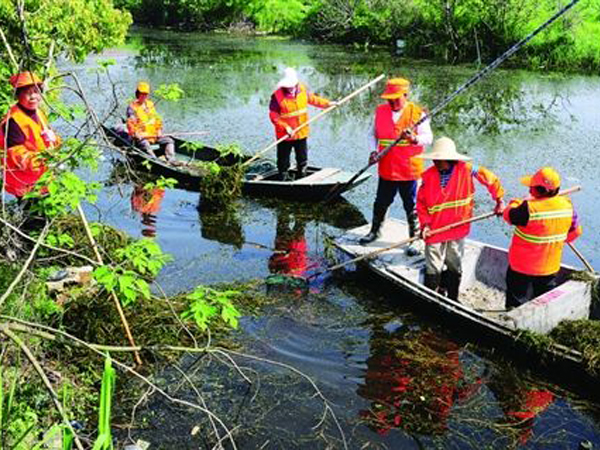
332	103
425	231
409	136
289	130
499	208
373	157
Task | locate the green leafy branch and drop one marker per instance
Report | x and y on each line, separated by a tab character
206	304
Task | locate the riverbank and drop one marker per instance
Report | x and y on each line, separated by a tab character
450	33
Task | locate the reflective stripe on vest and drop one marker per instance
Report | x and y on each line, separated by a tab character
541	239
536	248
558	214
294	113
453	204
385	142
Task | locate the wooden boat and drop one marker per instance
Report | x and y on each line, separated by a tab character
261	178
481	302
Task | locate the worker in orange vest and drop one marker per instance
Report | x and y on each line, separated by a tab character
446	197
26	135
288	110
400	169
144	124
543	225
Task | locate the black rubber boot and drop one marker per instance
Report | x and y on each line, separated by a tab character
432	281
413	230
301	173
378	218
452	282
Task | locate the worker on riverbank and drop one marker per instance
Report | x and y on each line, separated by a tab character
288	110
144	124
446	197
26	135
400	169
543	225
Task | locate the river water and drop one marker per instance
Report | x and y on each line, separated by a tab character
395	379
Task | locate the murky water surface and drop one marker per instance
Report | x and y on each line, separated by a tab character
395	379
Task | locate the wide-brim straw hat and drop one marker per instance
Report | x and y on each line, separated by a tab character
24	79
143	87
290	78
444	149
546	177
395	88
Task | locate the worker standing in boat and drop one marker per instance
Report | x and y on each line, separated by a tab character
144	124
446	197
400	169
288	110
543	224
26	135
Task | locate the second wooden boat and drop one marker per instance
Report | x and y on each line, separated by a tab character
261	178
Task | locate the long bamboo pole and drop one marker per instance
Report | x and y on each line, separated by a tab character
585	262
416	238
318	116
124	322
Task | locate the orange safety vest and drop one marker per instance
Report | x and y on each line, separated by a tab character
146	122
293	112
536	248
401	162
438	207
23	164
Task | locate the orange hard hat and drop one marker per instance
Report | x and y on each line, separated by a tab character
23	79
395	88
143	87
546	177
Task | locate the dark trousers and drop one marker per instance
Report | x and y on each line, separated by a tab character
284	149
517	287
386	191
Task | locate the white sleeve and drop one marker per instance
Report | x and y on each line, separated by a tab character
424	133
372	140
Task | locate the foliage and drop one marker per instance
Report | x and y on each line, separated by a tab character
137	261
161	183
448	30
581	335
104	439
207	304
60	193
219	187
171	92
76	27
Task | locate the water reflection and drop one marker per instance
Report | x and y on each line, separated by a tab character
413	380
147	203
290	253
520	402
222	225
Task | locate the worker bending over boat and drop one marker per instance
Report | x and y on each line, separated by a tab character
446	197
543	224
144	124
288	110
400	169
26	135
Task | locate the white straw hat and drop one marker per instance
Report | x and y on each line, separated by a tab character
290	78
444	149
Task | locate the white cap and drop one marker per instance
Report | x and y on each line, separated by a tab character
290	78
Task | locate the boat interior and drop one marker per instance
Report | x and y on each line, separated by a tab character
483	282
